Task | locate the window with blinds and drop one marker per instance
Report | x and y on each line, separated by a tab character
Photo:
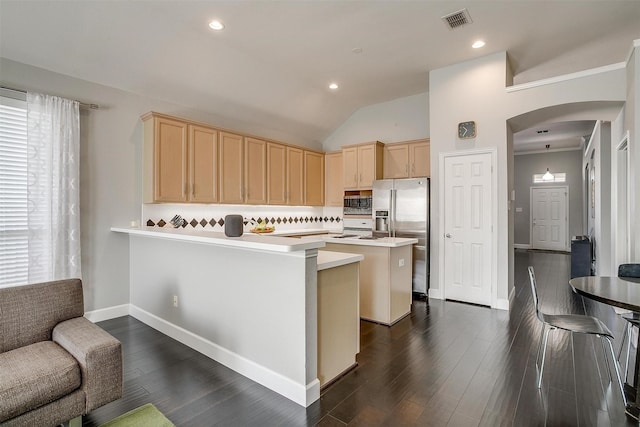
13	192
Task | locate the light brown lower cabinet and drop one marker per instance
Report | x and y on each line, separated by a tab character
338	321
385	280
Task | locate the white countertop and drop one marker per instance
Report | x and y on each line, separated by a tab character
263	242
328	259
388	242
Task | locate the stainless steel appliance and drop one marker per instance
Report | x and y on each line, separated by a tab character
401	209
357	205
356	227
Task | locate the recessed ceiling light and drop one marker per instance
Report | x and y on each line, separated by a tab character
478	44
216	25
333	86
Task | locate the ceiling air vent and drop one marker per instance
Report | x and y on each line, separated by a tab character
457	19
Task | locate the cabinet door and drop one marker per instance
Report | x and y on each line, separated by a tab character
276	174
255	171
170	160
350	168
366	166
420	159
230	167
295	177
203	164
313	178
334	181
396	161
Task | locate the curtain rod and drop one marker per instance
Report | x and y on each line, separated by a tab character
81	104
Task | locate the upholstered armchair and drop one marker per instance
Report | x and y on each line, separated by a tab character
55	365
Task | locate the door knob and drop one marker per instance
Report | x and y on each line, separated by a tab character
448	236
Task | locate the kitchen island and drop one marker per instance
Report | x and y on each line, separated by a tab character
385	275
249	302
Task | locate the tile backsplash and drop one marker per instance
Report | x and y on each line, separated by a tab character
211	217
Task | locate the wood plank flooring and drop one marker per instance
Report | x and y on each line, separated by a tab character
448	364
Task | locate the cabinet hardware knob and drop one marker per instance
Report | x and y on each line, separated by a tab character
448	236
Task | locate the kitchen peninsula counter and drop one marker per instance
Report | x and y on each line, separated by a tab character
249	302
266	242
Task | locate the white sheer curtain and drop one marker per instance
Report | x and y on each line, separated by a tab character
53	187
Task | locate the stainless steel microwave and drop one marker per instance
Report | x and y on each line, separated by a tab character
357	205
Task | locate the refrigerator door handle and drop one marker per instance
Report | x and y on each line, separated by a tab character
393	212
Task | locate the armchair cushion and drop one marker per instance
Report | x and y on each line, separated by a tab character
35	375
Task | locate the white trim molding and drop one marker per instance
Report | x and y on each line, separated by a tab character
566	77
302	395
521	246
107	313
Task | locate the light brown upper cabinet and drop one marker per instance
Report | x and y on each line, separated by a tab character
407	159
276	174
333	178
231	168
203	164
179	161
362	164
190	162
255	171
295	177
313	178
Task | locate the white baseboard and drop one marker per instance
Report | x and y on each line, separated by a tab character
505	304
435	293
107	313
301	394
521	246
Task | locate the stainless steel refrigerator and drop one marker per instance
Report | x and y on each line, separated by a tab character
401	209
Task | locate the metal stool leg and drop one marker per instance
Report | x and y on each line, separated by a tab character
626	365
615	365
544	327
544	353
624	337
604	349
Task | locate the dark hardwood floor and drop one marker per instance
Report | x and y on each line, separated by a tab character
448	364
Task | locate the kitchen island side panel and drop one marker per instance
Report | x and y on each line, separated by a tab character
255	310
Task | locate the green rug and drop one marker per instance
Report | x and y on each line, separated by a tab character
144	416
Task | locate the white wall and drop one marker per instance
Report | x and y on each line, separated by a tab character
597	158
402	119
632	123
476	90
110	171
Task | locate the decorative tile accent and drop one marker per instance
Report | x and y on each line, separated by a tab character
219	223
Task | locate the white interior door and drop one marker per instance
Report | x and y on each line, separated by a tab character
468	201
549	218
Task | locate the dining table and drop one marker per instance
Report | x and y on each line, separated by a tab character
621	292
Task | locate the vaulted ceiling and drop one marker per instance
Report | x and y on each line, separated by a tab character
272	64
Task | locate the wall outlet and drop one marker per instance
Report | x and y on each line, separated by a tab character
401	262
175	300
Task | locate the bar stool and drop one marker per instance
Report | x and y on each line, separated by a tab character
574	323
